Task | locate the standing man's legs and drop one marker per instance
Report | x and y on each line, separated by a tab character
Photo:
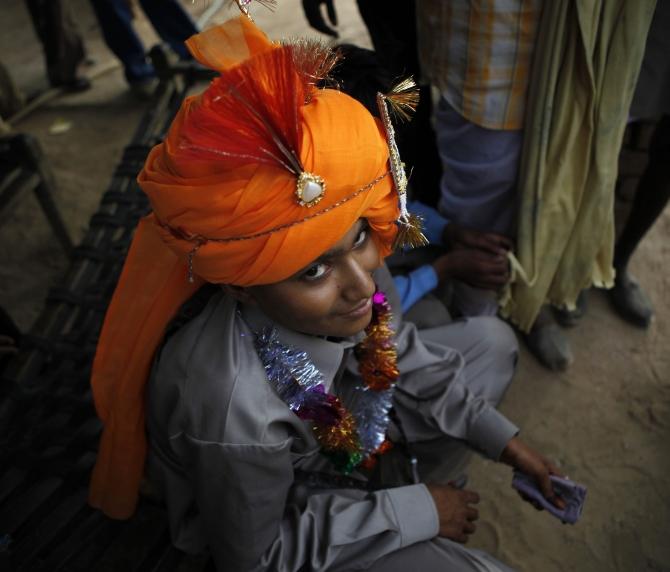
651	197
172	23
480	166
62	44
116	22
11	98
478	188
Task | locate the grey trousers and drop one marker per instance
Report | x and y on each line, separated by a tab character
439	555
478	188
490	349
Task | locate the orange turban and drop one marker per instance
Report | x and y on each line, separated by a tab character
224	200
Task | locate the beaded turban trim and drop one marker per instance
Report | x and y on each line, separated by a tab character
201	240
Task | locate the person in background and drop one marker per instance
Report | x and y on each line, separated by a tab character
651	101
393	36
10	338
169	19
483	81
455	252
11	98
63	46
514	161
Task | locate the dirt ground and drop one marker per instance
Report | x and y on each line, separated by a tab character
606	420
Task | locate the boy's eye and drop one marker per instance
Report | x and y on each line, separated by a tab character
360	239
315	271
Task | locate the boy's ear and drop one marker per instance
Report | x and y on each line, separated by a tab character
240	293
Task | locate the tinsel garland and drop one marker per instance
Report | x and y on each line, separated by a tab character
351	437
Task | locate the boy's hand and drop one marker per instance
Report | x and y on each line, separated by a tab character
474	267
312	9
455	237
522	457
454	511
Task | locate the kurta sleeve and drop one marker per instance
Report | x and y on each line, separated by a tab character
436	394
434	397
249	521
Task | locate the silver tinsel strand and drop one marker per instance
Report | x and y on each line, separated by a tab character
300	385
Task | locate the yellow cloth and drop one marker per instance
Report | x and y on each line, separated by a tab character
586	63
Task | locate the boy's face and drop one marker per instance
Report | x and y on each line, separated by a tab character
330	297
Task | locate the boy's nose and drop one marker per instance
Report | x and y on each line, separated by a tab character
359	284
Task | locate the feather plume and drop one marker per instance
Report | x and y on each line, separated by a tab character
251	114
314	61
410	233
403	99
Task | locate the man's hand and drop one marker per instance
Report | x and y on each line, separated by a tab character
456	237
314	15
522	457
475	267
454	511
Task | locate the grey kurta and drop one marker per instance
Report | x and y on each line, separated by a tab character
224	447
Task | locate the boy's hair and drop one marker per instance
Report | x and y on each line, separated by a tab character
361	75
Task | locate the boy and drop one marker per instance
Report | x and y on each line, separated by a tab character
268	411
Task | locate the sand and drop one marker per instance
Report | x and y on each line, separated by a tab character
606	421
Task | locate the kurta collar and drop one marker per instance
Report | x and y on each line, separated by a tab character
325	354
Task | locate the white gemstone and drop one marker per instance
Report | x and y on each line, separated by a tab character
311	191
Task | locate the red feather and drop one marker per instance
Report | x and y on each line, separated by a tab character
251	114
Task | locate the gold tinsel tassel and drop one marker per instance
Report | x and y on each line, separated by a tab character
410	233
403	99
